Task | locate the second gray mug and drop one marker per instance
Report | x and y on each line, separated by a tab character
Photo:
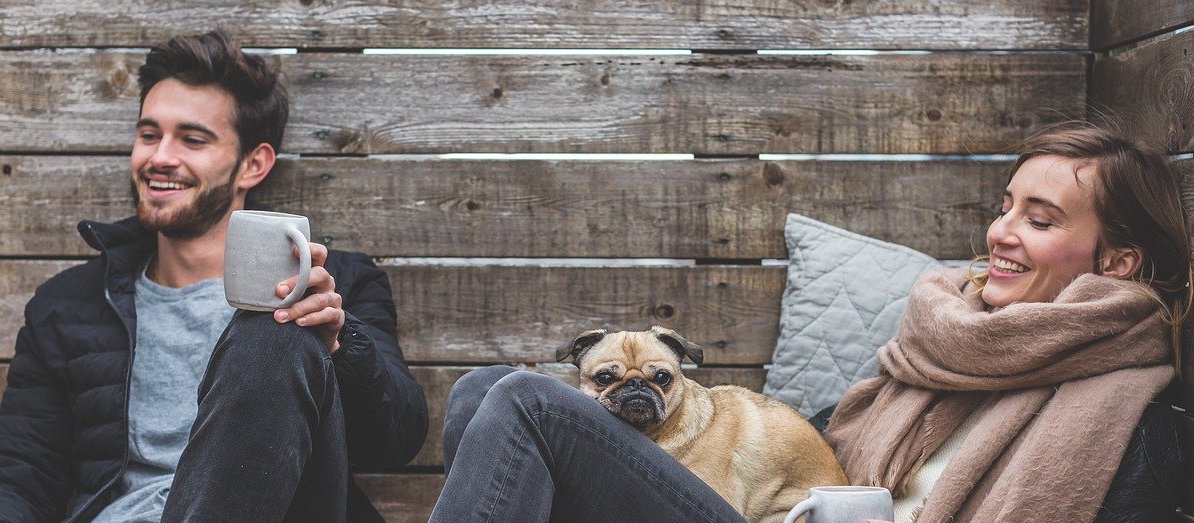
259	254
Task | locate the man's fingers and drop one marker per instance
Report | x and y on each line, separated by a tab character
329	315
321	281
319	254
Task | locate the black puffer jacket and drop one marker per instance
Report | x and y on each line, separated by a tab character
64	416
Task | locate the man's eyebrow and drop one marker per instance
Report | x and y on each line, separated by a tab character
1037	200
184	126
192	126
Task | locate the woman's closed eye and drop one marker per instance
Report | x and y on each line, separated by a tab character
1039	224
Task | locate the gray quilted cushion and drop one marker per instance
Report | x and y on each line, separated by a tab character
843	300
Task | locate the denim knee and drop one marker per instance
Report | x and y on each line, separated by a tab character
255	340
470	389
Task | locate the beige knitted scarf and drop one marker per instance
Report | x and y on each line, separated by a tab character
1064	384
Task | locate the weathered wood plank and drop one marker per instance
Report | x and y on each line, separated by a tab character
1117	22
1150	88
402	498
709	208
720	24
714	104
520	314
438	381
477	314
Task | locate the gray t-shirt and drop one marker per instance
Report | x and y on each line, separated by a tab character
176	332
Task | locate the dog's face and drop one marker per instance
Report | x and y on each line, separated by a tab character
634	375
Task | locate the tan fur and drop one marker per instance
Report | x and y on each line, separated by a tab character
756	452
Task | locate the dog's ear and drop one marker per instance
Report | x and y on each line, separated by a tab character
579	345
682	346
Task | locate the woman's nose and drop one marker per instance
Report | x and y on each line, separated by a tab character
1002	231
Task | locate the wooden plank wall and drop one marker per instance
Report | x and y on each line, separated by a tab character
1141	74
499	261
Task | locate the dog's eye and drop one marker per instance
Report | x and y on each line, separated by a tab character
662	378
604	378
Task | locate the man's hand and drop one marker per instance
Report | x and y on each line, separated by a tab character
320	307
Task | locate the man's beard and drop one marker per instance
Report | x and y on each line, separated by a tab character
192	221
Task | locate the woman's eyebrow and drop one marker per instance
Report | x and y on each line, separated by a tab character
1037	200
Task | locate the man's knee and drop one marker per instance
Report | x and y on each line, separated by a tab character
254	338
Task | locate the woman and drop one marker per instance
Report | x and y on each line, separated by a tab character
1025	379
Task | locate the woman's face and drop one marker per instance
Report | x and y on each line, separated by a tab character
1047	232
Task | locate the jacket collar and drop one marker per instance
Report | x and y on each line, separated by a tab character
105	236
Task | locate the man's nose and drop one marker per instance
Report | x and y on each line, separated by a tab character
164	155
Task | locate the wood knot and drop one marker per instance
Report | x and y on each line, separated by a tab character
773	174
933	115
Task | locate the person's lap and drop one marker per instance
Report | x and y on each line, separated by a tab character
268	440
521	446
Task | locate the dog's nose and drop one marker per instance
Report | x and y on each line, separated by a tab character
637	383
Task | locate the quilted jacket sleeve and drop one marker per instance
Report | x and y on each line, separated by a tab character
384	408
35	438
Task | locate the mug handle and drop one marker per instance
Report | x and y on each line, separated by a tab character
799	510
304	274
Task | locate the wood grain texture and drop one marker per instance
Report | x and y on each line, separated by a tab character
705	104
718	24
438	381
724	209
1150	88
402	498
478	314
1118	22
520	314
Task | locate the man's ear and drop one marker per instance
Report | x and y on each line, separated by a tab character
1121	262
255	166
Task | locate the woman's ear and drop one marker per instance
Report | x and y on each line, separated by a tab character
1121	262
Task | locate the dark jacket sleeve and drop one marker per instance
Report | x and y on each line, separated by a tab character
1145	488
385	413
35	438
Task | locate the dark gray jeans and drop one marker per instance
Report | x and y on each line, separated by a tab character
520	446
268	443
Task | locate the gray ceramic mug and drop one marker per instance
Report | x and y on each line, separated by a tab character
259	254
844	505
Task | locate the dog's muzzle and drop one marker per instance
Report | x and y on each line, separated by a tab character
637	403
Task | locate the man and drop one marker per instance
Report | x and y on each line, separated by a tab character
138	394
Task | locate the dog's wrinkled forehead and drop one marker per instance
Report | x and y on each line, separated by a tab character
656	344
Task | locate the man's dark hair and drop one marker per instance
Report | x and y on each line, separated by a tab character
261	105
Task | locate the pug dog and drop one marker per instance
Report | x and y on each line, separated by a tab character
756	452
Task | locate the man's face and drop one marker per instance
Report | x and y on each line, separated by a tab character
185	159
